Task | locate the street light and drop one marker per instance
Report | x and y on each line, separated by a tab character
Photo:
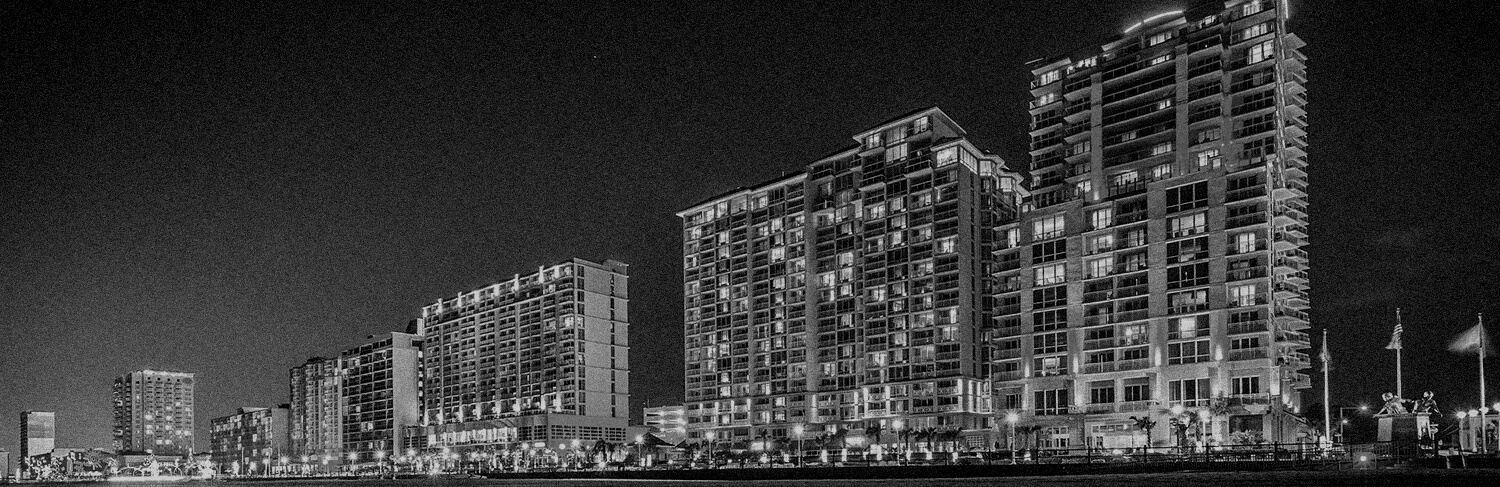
639	439
711	443
797	431
1011	418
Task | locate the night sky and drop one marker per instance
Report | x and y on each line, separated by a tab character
230	189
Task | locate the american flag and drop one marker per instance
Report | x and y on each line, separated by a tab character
1325	356
1396	334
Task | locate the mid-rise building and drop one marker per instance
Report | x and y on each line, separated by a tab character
849	297
153	412
541	358
38	433
317	410
1158	269
382	394
253	440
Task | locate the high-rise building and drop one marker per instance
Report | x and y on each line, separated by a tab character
317	410
541	357
382	394
848	297
253	440
154	412
38	433
1158	269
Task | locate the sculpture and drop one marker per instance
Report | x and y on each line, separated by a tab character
1393	404
1425	405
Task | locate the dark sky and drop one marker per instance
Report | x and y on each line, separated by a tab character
230	189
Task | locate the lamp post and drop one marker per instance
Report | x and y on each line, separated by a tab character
1203	424
711	461
1462	425
797	431
1179	426
639	440
1011	418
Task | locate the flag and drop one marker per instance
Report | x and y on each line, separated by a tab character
1472	341
1324	356
1396	335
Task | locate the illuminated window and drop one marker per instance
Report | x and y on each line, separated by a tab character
1050	274
1260	52
1047	227
1186	225
1049	77
1159	38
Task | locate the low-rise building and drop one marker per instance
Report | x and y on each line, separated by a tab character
253	440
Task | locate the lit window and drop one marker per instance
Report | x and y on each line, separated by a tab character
1050	274
1185	225
1101	218
1159	38
1049	77
1242	295
1260	52
1047	227
1159	59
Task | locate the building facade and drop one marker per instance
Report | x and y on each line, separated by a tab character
316	415
541	358
849	297
382	394
153	412
253	440
669	423
1158	268
38	433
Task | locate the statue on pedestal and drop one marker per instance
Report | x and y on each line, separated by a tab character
1393	404
1425	405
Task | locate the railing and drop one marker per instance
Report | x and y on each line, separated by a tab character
1255	326
1247	354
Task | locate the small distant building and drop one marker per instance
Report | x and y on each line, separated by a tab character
669	423
4	465
248	437
38	433
381	393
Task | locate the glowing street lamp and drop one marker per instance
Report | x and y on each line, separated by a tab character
1011	418
798	430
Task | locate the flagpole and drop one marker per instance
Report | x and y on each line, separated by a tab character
1398	358
1327	415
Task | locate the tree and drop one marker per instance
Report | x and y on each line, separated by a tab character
872	434
1144	423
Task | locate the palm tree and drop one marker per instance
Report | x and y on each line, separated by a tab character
1144	423
1219	406
872	433
1032	432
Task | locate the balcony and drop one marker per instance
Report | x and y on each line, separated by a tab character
1244	327
1187	308
1132	364
1247	354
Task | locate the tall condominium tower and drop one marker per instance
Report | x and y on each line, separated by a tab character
154	412
38	433
1158	270
381	394
316	410
849	296
541	357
